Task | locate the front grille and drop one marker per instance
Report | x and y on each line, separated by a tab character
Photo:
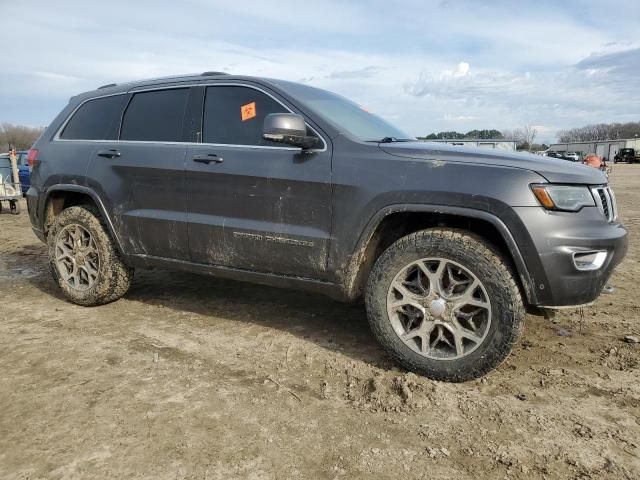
606	202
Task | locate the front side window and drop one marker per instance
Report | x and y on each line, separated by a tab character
155	116
234	115
96	119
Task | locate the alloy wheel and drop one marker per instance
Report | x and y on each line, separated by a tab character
439	308
76	257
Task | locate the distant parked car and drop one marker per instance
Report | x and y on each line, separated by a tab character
24	172
573	156
625	155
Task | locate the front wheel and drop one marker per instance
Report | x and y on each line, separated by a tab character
444	304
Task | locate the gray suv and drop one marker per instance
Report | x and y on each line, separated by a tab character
283	184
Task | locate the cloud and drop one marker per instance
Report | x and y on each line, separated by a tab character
625	62
464	65
366	72
459	118
461	70
598	88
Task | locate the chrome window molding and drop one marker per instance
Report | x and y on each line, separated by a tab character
158	142
135	90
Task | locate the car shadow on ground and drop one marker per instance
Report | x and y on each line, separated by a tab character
333	325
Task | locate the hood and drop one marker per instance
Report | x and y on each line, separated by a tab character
554	170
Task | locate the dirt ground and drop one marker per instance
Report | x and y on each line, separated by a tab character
191	377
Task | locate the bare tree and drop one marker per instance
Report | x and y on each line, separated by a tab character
599	132
530	134
18	136
524	137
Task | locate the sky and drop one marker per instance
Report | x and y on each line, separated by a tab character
426	66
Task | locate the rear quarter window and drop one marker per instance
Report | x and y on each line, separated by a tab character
96	119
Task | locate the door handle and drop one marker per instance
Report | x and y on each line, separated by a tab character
212	157
112	153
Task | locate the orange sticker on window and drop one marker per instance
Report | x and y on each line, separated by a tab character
248	111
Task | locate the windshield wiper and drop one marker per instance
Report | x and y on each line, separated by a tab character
391	140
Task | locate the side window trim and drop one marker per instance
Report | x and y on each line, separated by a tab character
192	87
192	131
126	105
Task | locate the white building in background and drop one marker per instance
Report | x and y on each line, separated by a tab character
603	148
491	143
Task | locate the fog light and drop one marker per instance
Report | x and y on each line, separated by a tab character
591	260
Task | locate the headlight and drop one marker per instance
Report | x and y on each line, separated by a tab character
563	197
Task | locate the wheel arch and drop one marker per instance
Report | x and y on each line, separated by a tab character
61	196
395	221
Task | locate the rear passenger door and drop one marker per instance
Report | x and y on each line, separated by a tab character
141	174
255	204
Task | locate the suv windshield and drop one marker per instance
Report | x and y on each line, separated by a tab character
345	114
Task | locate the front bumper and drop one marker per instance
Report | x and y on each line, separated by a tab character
560	238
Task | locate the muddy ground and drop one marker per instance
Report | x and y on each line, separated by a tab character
194	377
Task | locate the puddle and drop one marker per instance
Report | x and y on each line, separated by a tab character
18	273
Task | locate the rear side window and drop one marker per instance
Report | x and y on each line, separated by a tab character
234	115
95	120
155	116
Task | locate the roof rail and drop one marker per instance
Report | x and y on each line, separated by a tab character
174	77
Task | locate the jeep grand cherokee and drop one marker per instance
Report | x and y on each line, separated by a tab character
284	184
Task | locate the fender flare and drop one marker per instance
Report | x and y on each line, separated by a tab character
518	260
70	187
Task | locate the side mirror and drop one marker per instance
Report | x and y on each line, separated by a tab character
288	128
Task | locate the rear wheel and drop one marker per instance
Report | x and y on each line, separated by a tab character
83	259
14	207
444	304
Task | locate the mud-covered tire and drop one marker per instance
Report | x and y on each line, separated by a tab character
114	277
483	261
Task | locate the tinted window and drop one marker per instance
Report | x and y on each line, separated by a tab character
95	120
155	116
234	115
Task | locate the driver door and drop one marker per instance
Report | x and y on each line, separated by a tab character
253	204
